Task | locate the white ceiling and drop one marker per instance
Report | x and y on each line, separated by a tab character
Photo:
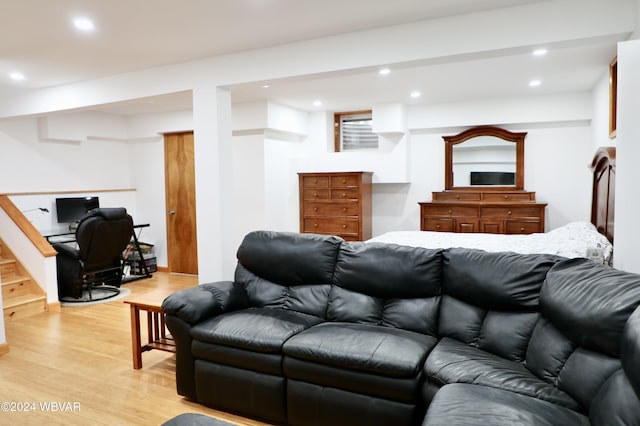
39	41
561	70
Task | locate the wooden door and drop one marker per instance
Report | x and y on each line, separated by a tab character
182	251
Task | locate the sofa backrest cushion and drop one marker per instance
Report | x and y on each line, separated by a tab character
590	303
287	270
630	350
618	401
491	299
289	258
386	284
496	281
584	309
309	299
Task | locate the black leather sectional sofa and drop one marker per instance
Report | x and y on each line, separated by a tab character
317	331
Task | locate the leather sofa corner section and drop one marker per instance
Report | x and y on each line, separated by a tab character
318	331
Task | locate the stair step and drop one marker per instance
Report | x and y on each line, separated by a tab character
16	286
7	267
24	306
22	296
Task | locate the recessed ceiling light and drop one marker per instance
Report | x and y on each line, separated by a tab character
18	76
535	83
540	52
317	103
265	86
384	71
84	24
415	94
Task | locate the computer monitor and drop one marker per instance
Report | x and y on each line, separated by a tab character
73	209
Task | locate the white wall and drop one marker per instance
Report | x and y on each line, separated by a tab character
146	162
146	165
556	169
249	185
626	231
558	151
636	33
270	146
418	41
36	165
101	152
47	222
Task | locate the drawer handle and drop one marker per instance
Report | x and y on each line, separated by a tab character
315	181
344	226
344	195
315	225
344	181
509	212
437	226
315	195
506	197
450	212
315	209
457	197
522	229
344	209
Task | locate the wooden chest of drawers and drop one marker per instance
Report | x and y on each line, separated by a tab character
336	204
488	212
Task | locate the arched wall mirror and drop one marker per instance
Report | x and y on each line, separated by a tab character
485	158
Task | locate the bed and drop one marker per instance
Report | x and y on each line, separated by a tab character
576	239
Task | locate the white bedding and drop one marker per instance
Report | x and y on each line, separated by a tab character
571	240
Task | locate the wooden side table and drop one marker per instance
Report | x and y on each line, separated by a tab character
157	336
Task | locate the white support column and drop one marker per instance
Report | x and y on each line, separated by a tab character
627	231
213	169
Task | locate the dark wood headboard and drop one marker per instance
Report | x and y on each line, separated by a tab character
604	190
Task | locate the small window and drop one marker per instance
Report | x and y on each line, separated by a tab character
354	131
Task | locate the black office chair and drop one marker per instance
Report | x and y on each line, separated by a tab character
101	236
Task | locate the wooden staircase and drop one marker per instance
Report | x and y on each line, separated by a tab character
21	295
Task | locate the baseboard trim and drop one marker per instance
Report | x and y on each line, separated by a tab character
163	269
4	348
54	307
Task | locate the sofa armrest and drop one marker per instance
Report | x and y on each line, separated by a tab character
196	304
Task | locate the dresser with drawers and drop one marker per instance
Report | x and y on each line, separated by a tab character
336	203
503	212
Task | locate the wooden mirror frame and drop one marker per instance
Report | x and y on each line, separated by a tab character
450	141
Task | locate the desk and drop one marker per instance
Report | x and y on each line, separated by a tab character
151	303
69	237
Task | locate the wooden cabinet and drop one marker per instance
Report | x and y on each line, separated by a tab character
514	212
336	204
492	206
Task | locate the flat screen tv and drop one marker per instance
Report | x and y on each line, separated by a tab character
493	178
71	210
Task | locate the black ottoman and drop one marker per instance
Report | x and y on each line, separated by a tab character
192	419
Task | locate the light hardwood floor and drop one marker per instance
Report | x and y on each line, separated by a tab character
81	358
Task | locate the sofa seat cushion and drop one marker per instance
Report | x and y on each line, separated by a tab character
472	405
268	363
384	351
255	329
455	362
400	389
